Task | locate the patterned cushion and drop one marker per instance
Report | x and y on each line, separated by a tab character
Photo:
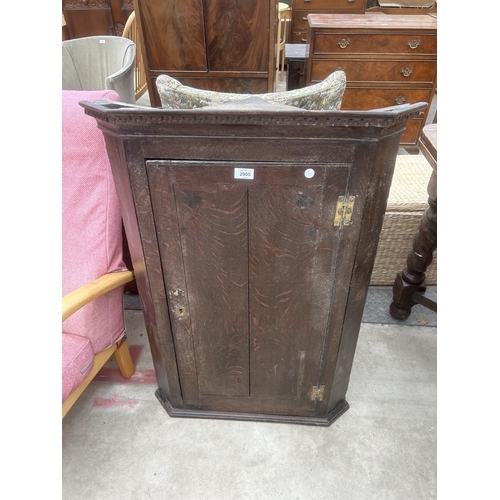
326	95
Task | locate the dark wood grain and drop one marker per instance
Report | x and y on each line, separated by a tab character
253	296
220	45
91	18
237	26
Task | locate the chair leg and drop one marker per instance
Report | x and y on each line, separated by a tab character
124	360
282	63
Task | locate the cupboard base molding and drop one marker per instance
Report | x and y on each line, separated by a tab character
326	421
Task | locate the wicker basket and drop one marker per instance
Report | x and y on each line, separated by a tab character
407	202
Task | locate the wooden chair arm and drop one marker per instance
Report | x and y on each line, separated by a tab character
87	293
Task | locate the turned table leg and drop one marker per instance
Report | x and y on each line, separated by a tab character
409	286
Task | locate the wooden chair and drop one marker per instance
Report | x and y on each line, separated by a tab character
131	31
93	271
283	10
72	303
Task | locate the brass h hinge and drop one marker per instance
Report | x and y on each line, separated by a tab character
343	212
317	393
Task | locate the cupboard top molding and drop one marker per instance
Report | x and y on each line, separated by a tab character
118	116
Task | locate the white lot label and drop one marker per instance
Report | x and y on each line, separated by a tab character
309	173
243	173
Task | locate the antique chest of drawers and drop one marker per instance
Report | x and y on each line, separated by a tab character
388	60
302	8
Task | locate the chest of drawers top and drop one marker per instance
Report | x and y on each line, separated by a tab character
372	22
372	35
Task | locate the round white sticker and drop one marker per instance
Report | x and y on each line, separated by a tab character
309	173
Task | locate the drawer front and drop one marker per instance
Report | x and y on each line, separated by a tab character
360	70
364	98
355	43
299	37
412	132
350	5
299	21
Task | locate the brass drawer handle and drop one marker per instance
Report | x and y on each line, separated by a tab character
400	99
304	19
303	40
307	1
413	44
406	71
343	43
351	1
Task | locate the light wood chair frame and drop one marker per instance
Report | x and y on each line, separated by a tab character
283	16
74	301
131	31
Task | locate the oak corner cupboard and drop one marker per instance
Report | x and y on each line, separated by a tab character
209	44
252	262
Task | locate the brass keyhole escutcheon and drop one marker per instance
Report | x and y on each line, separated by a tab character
180	311
413	44
406	71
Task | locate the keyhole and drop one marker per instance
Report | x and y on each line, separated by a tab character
181	311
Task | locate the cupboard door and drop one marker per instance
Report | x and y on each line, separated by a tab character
174	34
249	258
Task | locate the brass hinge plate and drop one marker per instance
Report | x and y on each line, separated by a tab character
343	212
317	393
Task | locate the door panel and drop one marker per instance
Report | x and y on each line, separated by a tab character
176	24
258	260
214	240
235	38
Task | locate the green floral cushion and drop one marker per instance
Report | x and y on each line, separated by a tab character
326	95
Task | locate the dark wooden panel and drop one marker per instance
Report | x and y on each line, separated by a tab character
235	38
213	233
174	34
236	85
96	17
204	231
89	22
293	248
